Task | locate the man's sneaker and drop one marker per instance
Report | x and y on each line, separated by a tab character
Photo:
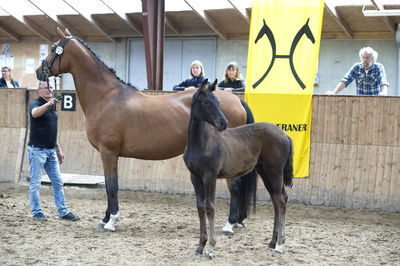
39	216
71	217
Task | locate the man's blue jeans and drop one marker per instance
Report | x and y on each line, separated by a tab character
45	159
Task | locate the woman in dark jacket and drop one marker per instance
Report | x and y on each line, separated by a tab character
233	79
198	76
6	80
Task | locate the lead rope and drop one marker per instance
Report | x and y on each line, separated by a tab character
55	91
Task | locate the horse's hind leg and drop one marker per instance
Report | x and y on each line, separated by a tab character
110	166
280	201
234	190
274	185
201	211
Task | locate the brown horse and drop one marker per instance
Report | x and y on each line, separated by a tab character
122	121
213	152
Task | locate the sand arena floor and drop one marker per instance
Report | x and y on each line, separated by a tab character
159	229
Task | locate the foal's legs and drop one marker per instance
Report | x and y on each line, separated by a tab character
274	184
201	211
209	192
205	197
110	166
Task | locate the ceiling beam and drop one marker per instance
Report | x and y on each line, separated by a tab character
385	19
92	21
9	33
28	23
49	12
206	18
338	18
124	18
171	25
37	29
241	9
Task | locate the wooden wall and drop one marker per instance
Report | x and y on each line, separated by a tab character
22	52
355	153
12	132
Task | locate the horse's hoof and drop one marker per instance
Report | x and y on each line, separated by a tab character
208	255
104	230
228	233
100	225
271	245
276	252
197	253
239	225
228	229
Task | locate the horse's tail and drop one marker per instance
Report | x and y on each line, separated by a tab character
249	114
248	184
288	170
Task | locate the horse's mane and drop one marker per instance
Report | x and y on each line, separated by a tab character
112	70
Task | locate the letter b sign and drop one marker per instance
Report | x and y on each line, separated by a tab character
68	102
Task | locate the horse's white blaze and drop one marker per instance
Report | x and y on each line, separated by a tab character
112	222
228	228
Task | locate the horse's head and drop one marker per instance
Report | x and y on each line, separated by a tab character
51	66
205	107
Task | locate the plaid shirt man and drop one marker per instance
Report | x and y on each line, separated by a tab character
367	82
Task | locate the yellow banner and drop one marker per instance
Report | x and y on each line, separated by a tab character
283	54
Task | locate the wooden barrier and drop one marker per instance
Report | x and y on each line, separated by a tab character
355	153
12	132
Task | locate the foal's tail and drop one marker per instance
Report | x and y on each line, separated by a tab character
248	184
288	170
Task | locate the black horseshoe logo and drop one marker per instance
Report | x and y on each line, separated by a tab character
267	31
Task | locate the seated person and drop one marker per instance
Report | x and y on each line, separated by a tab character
233	79
6	80
198	76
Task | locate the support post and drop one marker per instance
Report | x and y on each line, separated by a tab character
153	12
398	58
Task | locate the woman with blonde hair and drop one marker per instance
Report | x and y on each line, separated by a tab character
6	80
233	79
197	77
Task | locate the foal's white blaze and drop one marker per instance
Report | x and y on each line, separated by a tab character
228	228
112	222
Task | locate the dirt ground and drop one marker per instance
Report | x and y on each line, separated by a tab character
159	229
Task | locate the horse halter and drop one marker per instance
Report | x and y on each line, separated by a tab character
46	66
58	49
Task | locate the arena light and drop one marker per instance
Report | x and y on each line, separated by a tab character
381	12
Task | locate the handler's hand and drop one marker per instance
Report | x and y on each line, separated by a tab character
60	156
330	93
53	101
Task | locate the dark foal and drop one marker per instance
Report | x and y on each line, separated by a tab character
213	151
